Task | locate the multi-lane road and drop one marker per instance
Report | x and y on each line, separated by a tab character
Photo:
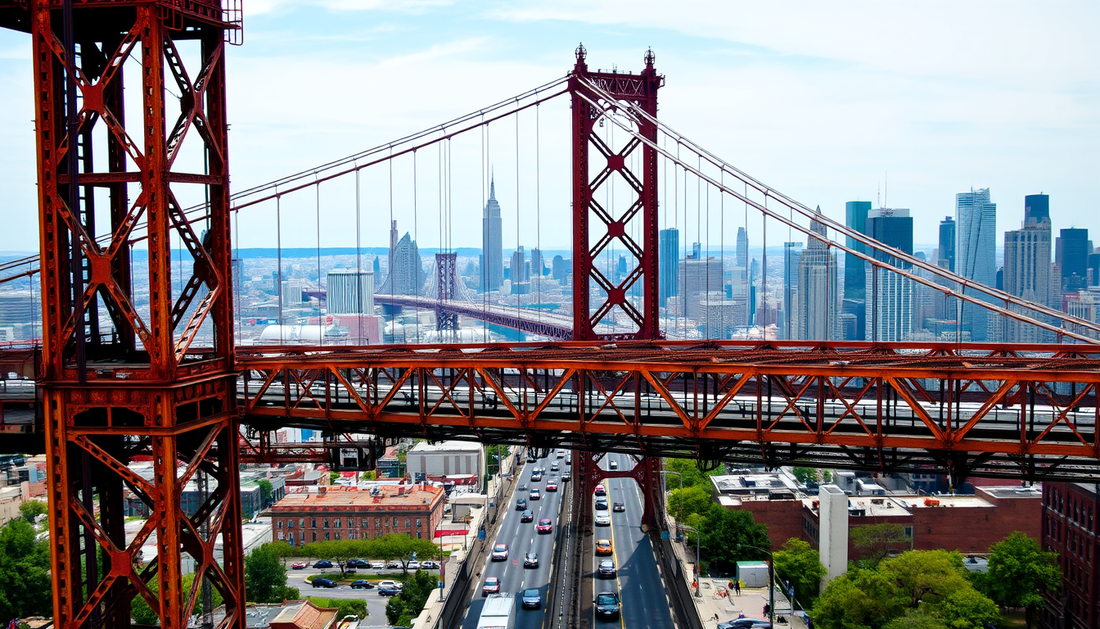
637	581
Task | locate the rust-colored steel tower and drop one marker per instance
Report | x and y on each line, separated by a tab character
136	368
596	227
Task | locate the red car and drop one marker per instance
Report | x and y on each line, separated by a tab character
545	526
492	586
299	565
551	486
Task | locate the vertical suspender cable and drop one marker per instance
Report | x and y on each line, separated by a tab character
538	211
279	260
416	238
237	280
358	263
320	317
526	277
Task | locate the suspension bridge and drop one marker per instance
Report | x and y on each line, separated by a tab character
140	356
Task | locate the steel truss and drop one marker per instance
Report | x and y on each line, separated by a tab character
1021	411
129	386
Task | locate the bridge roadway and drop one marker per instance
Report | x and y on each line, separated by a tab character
638	581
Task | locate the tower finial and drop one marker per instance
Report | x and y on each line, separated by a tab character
581	52
650	58
492	185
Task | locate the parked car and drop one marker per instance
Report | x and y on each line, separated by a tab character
377	565
492	586
527	516
603	547
607	606
389	583
535	494
500	552
618	507
413	565
531	560
388	591
362	584
299	565
521	504
745	623
324	563
551	486
429	565
606	569
320	582
357	563
393	565
546	525
531	599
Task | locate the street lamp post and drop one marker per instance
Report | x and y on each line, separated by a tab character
771	582
698	556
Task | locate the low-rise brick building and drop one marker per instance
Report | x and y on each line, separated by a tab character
336	513
1071	528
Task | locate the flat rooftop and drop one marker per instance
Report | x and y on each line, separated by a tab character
349	498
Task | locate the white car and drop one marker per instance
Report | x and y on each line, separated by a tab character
429	565
391	584
603	518
378	565
413	565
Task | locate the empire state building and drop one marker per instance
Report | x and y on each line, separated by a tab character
492	246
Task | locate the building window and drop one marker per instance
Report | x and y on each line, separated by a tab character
378	523
326	536
313	522
302	523
419	535
292	538
337	536
280	526
908	532
280	535
395	521
408	523
366	523
326	523
418	523
290	523
337	524
315	536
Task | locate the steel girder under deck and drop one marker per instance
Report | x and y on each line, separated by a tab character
1022	411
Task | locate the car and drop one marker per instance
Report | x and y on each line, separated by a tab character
362	584
391	584
492	586
521	504
606	569
324	563
535	494
745	623
378	565
561	454
607	606
412	565
523	486
603	518
531	560
527	516
601	503
551	486
388	591
600	490
618	507
531	599
536	476
546	525
393	565
603	547
613	465
500	552
429	565
569	460
357	563
555	466
299	565
320	582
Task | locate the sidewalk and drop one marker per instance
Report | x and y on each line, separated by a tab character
715	600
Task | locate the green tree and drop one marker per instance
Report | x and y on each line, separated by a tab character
403	608
860	599
1019	571
688	469
401	547
145	615
965	608
874	541
689	500
727	536
927	575
31	509
798	563
920	618
337	550
24	572
344	606
282	550
265	576
806	475
266	491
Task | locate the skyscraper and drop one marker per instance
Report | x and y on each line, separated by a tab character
518	267
668	256
817	289
699	278
406	273
947	244
537	264
976	254
889	296
855	214
492	244
1027	270
789	323
742	254
1072	252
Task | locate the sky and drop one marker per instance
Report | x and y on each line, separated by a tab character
901	103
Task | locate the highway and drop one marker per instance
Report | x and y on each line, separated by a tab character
638	582
521	538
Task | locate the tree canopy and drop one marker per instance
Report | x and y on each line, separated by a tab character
874	541
798	563
689	470
265	576
31	509
727	536
689	500
1019	571
915	590
25	585
403	608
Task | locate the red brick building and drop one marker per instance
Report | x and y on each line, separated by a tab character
969	524
337	513
1070	528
